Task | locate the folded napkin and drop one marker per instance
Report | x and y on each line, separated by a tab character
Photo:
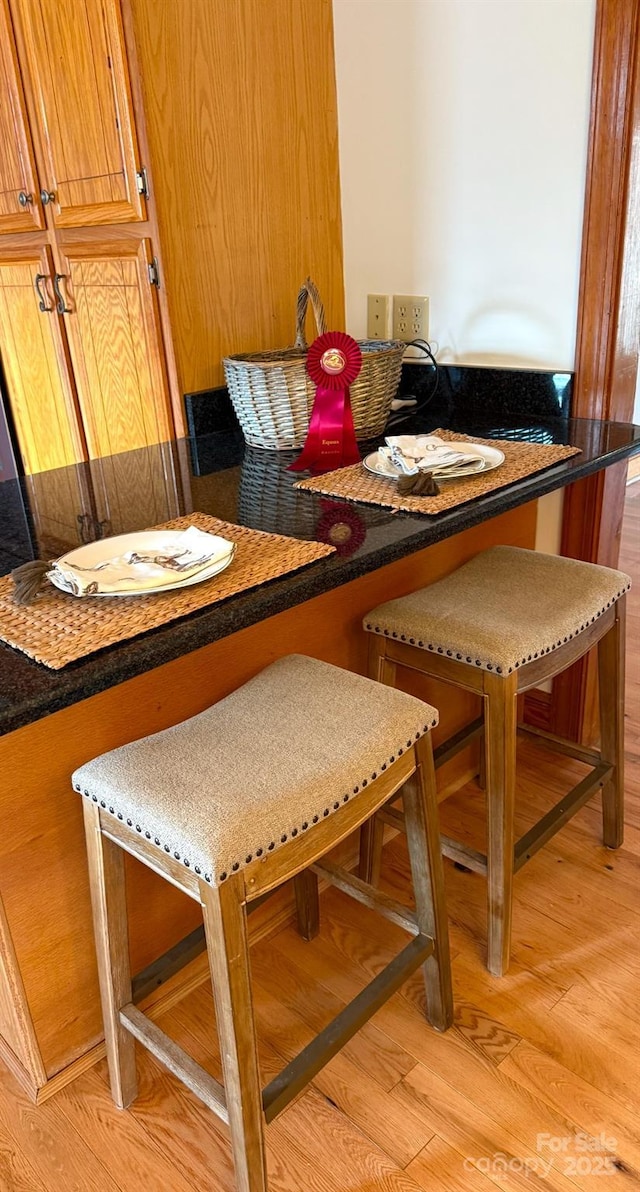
188	552
429	453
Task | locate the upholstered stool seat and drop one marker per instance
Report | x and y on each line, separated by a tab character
229	805
502	623
255	770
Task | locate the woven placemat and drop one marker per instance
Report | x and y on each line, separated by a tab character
522	459
57	628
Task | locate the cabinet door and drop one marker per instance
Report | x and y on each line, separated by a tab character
82	111
20	209
116	345
37	375
61	508
136	489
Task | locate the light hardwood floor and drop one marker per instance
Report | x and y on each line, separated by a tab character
536	1085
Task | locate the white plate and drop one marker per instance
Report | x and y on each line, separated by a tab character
156	542
379	462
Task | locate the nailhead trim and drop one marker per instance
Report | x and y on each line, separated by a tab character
259	852
382	632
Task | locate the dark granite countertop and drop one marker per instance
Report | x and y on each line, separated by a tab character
253	488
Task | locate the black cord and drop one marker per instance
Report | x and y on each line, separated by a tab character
398	416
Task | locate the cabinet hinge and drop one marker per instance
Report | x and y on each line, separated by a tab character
142	182
154	273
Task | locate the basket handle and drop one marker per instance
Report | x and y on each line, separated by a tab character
308	290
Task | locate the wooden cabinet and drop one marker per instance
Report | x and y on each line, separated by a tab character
20	210
140	130
75	57
114	334
81	341
35	362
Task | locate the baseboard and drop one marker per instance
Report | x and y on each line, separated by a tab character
18	1070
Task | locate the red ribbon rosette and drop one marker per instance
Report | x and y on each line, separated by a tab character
341	526
333	363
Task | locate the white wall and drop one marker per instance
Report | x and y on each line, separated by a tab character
463	131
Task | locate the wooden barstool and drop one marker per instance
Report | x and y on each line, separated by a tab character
501	624
229	805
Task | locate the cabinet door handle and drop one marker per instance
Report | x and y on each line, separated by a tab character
102	528
42	297
85	527
24	199
47	196
62	307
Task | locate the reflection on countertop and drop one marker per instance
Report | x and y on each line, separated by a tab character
216	474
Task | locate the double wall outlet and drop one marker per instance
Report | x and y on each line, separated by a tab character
378	309
410	317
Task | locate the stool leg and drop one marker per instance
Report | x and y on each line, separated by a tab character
108	900
305	885
372	832
611	649
482	765
423	840
380	668
371	840
225	927
500	744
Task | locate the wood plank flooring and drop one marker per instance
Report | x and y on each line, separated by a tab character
536	1085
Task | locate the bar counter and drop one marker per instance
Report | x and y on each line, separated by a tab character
53	721
251	487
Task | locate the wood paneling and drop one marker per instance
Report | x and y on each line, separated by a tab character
42	859
242	129
35	363
608	316
82	112
16	1026
116	346
609	302
17	167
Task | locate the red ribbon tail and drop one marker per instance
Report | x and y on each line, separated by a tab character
331	439
350	449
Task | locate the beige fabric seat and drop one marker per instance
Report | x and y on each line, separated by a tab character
239	780
505	622
502	609
228	806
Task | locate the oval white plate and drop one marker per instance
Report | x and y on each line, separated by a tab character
381	465
157	542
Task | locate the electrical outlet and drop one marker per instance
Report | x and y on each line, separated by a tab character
410	317
378	316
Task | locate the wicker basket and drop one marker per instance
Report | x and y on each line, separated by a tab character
268	500
272	394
